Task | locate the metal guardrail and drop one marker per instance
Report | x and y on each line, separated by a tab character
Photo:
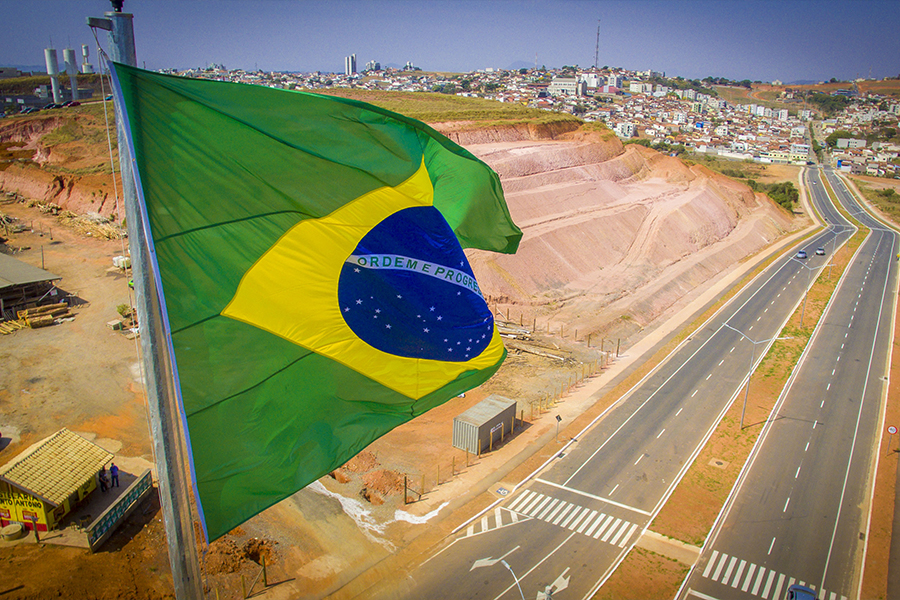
104	526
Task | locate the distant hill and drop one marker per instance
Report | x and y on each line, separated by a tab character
29	68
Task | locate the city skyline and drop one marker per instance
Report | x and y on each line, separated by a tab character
756	39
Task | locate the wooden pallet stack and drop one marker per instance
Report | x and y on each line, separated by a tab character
42	316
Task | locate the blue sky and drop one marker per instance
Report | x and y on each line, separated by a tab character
750	39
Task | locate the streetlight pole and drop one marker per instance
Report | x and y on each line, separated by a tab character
838	229
809	271
506	564
750	368
747	389
805	295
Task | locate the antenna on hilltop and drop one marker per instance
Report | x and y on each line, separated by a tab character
597	47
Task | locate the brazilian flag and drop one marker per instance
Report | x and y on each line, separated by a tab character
310	254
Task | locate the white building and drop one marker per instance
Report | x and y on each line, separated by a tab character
592	80
782	115
799	152
625	130
616	81
566	86
850	143
350	64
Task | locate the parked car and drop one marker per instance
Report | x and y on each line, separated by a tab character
800	592
820	251
108	97
71	103
52	105
801	254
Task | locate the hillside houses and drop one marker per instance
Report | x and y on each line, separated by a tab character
662	113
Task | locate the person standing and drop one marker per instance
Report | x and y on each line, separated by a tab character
114	474
104	481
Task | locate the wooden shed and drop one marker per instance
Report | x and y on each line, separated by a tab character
22	285
44	483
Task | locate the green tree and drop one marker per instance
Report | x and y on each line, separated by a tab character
832	139
784	194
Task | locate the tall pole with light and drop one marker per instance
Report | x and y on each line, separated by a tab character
809	271
752	358
506	564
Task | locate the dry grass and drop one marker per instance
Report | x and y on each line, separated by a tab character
764	173
434	108
644	575
872	188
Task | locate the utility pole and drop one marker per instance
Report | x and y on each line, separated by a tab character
165	424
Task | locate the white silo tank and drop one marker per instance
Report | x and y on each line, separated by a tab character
72	71
53	72
86	66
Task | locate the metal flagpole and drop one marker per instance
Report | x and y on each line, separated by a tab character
165	424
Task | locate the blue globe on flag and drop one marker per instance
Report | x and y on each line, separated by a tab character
408	290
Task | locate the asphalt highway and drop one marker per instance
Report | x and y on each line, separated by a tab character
566	530
799	514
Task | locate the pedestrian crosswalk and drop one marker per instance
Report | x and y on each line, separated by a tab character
495	520
754	579
592	523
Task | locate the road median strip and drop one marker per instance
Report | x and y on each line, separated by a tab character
690	513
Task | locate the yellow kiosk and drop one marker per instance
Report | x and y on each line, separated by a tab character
46	481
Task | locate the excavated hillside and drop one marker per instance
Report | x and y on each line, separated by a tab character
61	158
614	236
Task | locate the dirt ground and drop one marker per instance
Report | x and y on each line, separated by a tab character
82	375
644	575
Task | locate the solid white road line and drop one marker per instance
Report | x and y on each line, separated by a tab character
600	498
